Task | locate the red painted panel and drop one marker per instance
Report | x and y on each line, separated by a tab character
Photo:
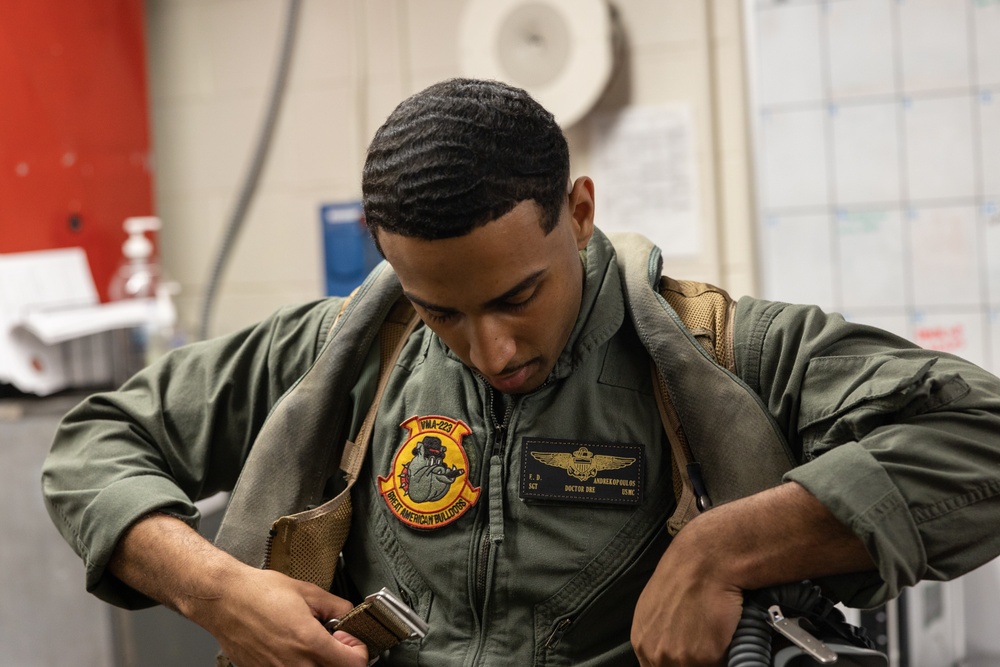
74	127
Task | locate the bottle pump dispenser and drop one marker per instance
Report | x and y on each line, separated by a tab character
138	276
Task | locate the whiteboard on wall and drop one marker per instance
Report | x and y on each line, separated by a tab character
876	127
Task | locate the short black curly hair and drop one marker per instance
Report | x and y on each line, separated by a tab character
459	154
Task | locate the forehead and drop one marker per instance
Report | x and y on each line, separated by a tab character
472	269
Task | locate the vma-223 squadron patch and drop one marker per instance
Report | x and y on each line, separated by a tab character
428	486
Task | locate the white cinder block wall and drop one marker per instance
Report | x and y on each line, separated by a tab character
211	64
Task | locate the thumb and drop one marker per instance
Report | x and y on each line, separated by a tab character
355	645
339	648
326	605
349	640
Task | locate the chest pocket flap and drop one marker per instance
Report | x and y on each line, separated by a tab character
846	397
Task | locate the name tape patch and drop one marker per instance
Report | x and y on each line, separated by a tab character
581	471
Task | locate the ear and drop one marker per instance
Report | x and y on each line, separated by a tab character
581	208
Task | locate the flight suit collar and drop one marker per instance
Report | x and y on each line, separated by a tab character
602	306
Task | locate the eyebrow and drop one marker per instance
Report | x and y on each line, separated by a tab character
496	301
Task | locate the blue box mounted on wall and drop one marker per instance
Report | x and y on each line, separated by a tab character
348	249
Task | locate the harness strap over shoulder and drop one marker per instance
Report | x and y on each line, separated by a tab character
707	312
721	434
307	545
724	443
395	330
302	440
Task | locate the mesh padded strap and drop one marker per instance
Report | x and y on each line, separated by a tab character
307	545
707	313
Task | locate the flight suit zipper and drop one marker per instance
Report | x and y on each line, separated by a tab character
557	632
493	533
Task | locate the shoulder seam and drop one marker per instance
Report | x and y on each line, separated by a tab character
756	343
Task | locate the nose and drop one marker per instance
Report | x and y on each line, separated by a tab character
491	345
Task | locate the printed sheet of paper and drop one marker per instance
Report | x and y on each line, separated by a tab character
645	176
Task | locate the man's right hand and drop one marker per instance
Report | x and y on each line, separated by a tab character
260	617
265	618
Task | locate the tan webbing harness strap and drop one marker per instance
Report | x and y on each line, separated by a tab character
307	545
300	445
718	427
395	331
687	501
705	311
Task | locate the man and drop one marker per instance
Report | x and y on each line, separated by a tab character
528	355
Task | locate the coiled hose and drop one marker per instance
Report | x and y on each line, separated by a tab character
751	645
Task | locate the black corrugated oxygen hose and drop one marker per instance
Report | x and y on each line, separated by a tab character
752	641
751	645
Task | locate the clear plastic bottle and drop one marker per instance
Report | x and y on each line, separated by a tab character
139	277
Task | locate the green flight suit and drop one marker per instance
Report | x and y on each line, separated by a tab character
901	444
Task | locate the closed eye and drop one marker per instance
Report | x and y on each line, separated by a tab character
439	316
519	297
514	307
513	300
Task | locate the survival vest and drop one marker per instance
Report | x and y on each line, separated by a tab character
714	422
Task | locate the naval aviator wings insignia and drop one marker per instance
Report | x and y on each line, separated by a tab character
581	472
583	463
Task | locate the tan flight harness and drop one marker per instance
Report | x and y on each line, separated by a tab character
307	545
723	442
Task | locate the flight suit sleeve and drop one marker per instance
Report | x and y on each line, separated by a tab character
901	444
176	432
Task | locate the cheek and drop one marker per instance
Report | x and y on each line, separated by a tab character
561	306
544	326
453	337
458	344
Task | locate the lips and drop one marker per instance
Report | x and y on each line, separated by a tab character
511	382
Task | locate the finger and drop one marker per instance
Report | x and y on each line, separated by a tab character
326	605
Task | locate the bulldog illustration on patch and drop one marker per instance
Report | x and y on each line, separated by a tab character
428	486
565	470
